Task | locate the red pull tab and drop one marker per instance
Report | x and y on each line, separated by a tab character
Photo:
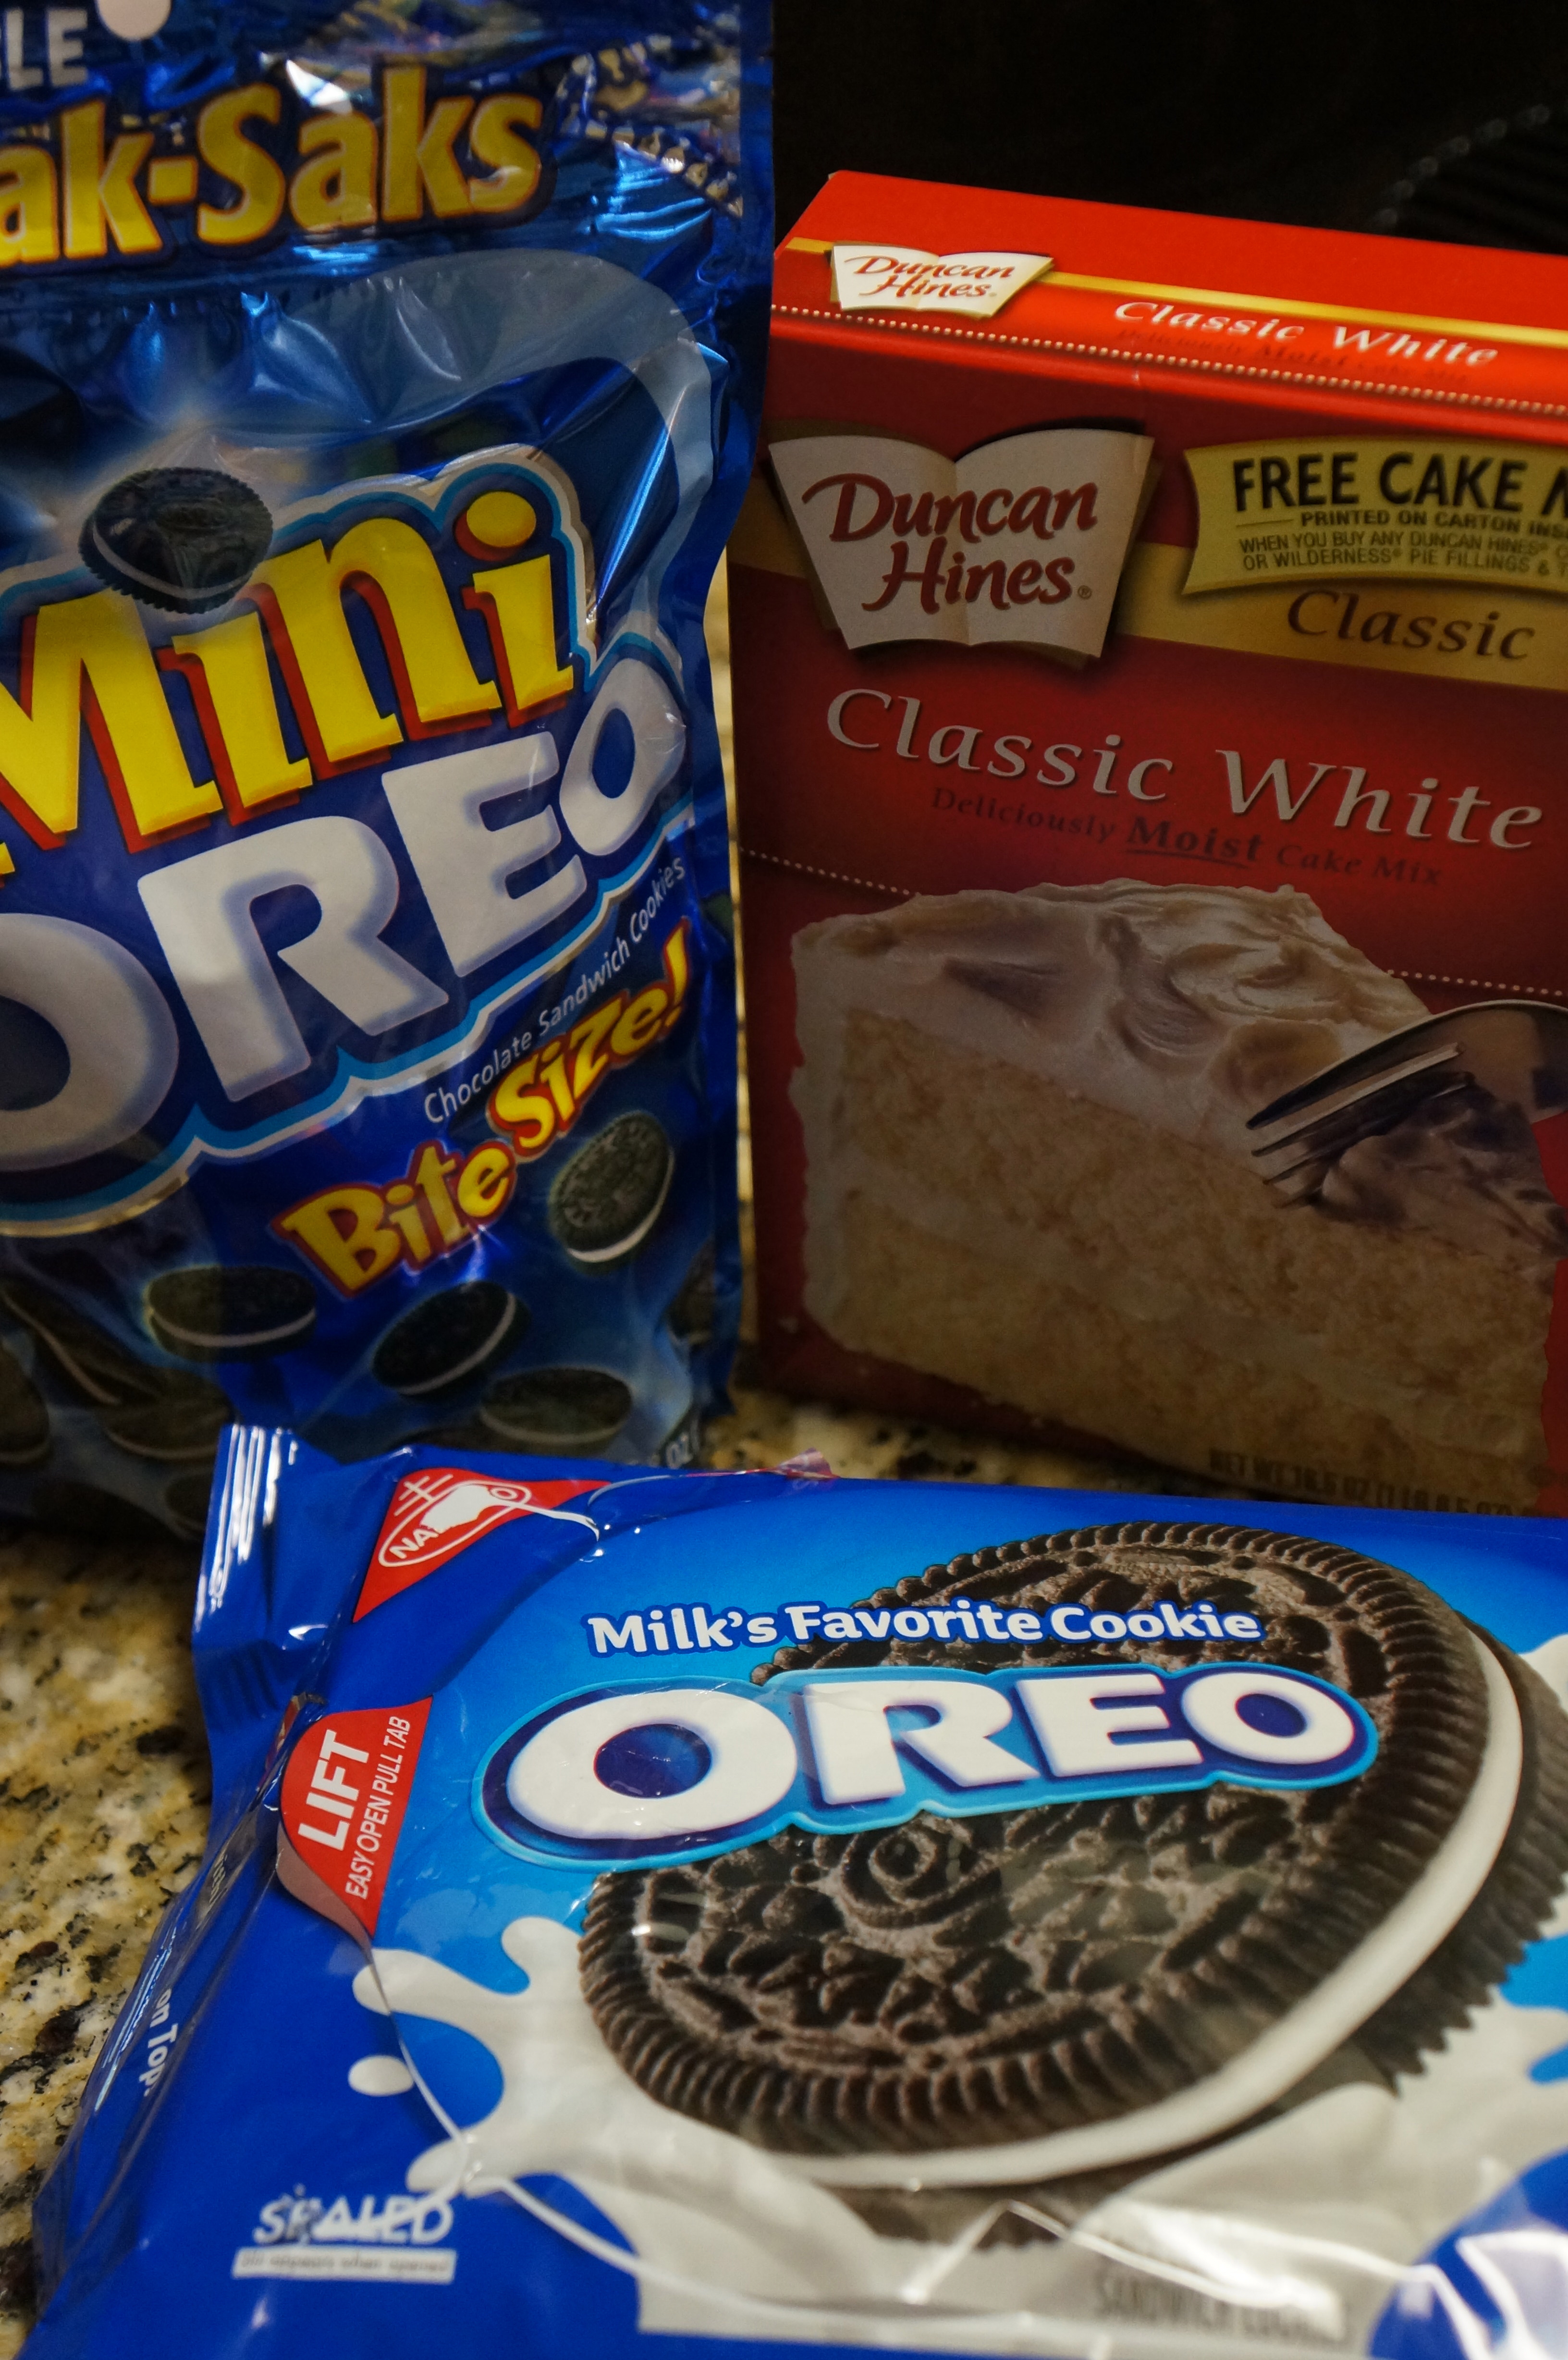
442	1511
344	1794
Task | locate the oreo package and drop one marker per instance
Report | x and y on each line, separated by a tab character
703	1914
379	389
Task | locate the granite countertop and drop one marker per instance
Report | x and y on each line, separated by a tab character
103	1776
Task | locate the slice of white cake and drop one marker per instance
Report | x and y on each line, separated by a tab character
1027	1171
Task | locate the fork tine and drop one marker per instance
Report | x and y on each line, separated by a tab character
1303	1101
1320	1144
1368	1111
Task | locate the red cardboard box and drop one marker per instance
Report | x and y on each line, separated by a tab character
1150	646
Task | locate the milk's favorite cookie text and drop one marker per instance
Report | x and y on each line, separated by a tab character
693	1629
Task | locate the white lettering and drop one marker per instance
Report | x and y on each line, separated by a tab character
202	911
466	868
1078	1730
855	1751
554	1781
114	1024
1211	1704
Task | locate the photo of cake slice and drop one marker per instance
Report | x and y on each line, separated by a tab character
1028	1172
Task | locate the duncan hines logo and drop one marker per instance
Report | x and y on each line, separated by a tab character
907	278
1022	539
442	1511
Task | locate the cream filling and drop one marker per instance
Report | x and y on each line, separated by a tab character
1138	1295
1282	2056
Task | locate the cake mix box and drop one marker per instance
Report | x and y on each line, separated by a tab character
708	1915
1151	644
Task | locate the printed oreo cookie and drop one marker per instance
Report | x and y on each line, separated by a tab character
24	1420
95	1367
216	1312
177	1418
691	1314
185	1504
606	1201
154	1412
181	537
449	1339
1004	2001
566	1413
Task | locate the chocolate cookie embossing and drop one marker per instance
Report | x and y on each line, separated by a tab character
606	1202
185	539
214	1311
969	1982
170	1414
570	1411
449	1339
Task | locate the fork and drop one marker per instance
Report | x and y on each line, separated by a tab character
1516	1049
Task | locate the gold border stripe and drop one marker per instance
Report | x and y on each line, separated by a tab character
1501	331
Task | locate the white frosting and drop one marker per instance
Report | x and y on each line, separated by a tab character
1188	1007
1301	2230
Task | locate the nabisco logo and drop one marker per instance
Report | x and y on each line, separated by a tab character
440	1511
1022	539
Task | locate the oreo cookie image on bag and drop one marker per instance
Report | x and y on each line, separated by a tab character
954	2009
167	1415
605	1204
449	1339
184	539
215	1312
561	1412
23	1419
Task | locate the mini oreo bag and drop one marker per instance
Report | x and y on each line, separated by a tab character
377	392
709	1913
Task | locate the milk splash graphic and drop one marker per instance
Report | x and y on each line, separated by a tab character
1296	2233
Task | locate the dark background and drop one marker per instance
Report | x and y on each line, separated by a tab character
1445	119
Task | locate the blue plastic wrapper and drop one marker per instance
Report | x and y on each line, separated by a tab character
377	392
712	1913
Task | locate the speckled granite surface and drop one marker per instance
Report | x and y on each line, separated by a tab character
104	1781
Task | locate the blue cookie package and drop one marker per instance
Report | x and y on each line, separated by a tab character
709	1913
378	389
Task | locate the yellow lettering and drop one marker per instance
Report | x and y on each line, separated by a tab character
553	1075
430	1175
640	1024
345	1232
392	570
101	198
232	685
494	140
676	969
336	189
484	1183
93	651
593	1059
518	603
417	158
172	181
28	230
404	1215
224	148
